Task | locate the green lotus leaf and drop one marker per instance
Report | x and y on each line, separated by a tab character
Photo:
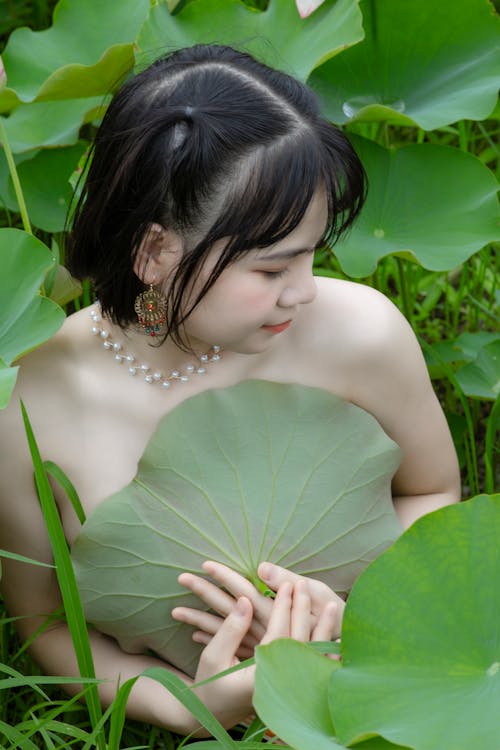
27	319
86	50
472	343
277	36
296	713
481	378
291	697
421	636
423	63
45	182
259	471
49	123
417	205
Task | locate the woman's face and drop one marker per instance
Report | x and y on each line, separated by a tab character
259	296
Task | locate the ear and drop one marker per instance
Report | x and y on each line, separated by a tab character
158	254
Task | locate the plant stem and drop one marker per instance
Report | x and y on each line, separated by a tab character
15	178
405	293
489	459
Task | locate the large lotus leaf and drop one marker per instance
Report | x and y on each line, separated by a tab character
421	62
277	36
26	318
481	378
86	50
421	636
418	207
46	188
49	123
291	697
259	471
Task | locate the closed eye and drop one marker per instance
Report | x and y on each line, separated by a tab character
275	274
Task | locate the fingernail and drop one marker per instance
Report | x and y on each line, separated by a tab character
264	571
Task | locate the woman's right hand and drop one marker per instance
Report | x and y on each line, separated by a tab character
290	617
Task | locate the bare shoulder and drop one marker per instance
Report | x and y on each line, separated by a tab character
50	377
358	326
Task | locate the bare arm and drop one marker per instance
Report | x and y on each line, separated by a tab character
391	381
32	594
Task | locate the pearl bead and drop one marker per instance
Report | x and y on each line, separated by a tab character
148	378
189	368
204	358
201	370
157	376
95	330
184	378
165	384
144	367
117	346
118	357
174	374
129	357
132	370
215	357
104	334
107	345
216	349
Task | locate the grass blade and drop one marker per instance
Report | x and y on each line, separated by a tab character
66	578
190	700
62	478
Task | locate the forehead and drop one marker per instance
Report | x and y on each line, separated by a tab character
308	233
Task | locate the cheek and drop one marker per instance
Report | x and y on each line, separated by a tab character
241	298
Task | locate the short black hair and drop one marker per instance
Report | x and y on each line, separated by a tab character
213	144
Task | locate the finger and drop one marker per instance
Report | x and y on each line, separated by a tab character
279	622
243	652
201	636
208	592
220	653
300	616
238	586
198	618
328	624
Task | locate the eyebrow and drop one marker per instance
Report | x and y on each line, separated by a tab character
287	254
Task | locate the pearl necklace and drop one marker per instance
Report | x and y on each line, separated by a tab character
150	376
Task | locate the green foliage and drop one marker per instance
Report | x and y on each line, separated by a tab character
420	647
302	481
417	208
27	319
421	63
84	53
306	44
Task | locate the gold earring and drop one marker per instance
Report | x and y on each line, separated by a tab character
151	307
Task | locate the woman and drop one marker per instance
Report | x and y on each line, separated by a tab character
213	179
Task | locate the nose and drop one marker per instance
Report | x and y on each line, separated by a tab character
301	289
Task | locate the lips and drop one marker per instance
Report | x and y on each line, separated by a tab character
278	328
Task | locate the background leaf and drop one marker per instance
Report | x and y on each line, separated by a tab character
260	471
421	636
306	43
46	187
481	378
417	207
423	63
27	318
45	124
84	53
